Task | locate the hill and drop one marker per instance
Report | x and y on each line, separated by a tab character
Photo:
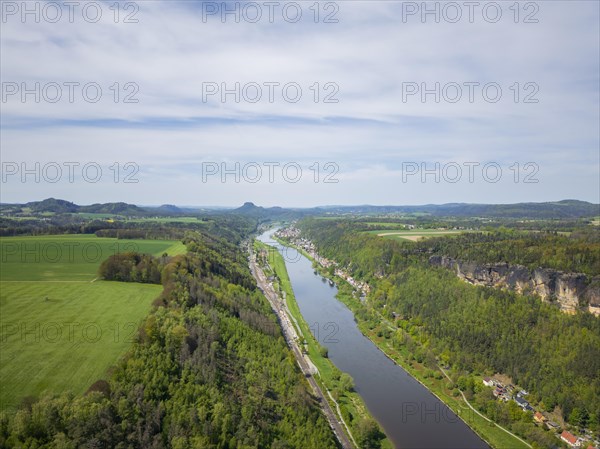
52	205
113	208
548	210
557	209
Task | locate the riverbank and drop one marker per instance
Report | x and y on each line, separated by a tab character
330	378
436	382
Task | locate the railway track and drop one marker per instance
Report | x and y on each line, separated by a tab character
291	337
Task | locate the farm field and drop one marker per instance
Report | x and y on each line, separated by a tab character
69	257
60	336
413	234
60	328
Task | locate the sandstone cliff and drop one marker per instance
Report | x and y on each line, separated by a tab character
570	291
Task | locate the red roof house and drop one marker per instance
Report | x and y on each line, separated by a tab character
568	438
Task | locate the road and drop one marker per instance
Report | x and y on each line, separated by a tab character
291	338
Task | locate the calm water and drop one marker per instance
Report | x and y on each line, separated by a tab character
411	416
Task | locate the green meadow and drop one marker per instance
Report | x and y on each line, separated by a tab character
412	234
59	336
69	257
60	327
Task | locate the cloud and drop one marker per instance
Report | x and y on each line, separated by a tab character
371	58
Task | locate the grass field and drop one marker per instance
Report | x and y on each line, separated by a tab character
69	257
60	328
413	234
60	336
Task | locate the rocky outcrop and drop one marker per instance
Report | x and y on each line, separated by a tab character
571	291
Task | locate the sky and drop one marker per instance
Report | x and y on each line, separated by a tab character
300	103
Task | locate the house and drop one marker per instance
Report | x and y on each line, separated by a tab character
522	403
569	438
538	417
488	382
552	425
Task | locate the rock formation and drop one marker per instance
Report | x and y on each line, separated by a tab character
571	291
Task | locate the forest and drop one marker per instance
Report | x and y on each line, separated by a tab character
209	368
478	330
577	252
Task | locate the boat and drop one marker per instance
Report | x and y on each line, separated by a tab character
331	282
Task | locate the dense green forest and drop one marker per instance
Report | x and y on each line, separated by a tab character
555	356
479	223
228	226
209	368
578	252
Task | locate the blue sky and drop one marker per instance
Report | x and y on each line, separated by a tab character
368	142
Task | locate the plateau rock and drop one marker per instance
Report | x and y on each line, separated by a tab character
571	291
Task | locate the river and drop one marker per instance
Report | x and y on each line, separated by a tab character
411	416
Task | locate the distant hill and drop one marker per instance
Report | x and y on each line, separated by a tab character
52	205
57	206
113	208
249	209
558	209
169	209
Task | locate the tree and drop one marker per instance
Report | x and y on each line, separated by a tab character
579	417
369	435
346	382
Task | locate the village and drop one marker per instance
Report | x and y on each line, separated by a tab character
506	393
292	234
